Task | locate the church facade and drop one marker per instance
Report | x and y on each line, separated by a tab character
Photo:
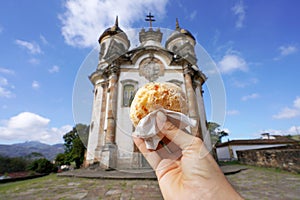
119	74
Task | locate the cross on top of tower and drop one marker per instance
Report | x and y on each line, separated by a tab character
150	19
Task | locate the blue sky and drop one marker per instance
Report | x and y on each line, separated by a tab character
255	45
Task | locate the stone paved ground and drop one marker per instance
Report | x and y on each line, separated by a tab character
262	183
252	183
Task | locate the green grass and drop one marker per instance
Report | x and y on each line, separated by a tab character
19	185
232	162
271	169
109	186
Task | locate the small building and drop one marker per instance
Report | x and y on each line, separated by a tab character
228	150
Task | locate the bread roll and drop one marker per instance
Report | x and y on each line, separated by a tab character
153	96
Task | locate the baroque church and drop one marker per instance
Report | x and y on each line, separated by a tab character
119	74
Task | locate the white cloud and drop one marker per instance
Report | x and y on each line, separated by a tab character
287	113
297	102
54	69
84	20
293	130
32	47
233	112
239	10
28	126
5	88
244	83
250	96
3	81
6	71
35	85
27	120
287	50
232	62
34	61
5	93
193	14
43	39
216	37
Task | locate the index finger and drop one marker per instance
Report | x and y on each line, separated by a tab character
151	156
173	133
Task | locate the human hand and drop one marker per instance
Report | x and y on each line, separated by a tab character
188	171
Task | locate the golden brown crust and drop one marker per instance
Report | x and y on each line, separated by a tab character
153	96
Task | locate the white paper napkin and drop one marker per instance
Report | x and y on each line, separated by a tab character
148	130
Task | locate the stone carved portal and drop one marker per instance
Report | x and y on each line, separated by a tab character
151	68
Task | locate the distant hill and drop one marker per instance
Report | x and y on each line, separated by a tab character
26	148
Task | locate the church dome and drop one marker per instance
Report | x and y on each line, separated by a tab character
179	33
181	42
114	30
187	33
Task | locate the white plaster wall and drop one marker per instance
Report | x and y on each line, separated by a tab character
95	119
124	126
171	76
223	152
124	130
202	115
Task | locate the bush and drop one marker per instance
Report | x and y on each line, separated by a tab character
42	165
62	159
15	164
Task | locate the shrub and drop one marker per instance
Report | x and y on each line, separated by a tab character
42	165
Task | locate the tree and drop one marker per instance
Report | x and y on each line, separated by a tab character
221	134
15	164
61	159
42	165
74	144
216	133
83	132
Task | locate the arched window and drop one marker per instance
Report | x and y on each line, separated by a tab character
129	89
128	94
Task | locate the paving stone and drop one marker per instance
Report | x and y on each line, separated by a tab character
113	192
73	184
137	187
251	183
79	195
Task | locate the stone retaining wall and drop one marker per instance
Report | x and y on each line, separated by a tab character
8	180
286	157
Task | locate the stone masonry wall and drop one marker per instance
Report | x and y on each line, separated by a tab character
286	157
